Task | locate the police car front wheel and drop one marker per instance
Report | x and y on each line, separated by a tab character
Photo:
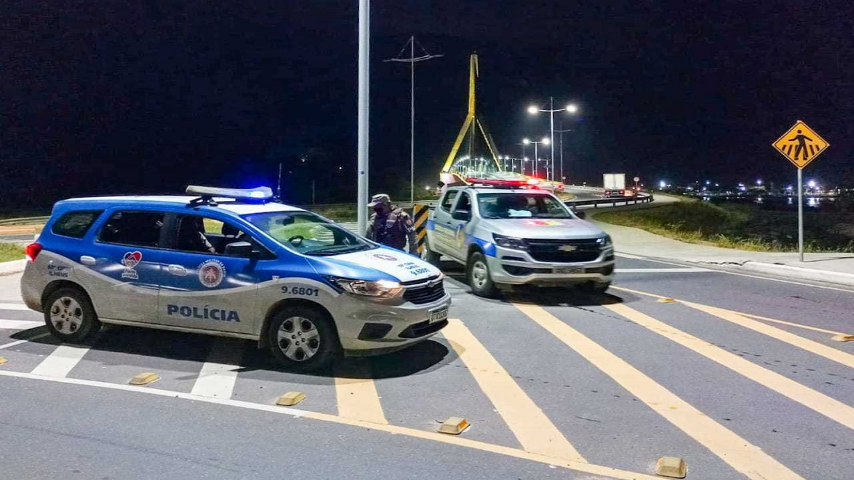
303	338
70	316
479	277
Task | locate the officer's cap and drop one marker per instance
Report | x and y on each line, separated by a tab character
379	199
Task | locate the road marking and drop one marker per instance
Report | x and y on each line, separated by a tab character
811	346
741	455
219	372
18	342
357	397
13	306
823	404
633	257
662	270
529	424
19	324
390	429
61	361
740	318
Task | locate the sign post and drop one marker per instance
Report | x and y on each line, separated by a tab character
800	145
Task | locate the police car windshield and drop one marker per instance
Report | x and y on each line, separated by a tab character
520	205
307	233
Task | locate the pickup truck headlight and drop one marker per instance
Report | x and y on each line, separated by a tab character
380	289
509	242
604	241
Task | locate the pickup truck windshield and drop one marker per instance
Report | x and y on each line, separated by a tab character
307	233
521	205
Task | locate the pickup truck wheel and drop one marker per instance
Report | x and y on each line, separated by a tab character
479	278
70	316
430	256
303	338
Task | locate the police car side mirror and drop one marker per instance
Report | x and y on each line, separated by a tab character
461	215
239	249
581	215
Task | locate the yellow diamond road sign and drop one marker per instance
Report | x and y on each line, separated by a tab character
800	144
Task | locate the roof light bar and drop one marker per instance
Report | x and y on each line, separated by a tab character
259	194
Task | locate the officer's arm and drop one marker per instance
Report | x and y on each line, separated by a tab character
409	228
370	233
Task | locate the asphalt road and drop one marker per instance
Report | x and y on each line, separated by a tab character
738	376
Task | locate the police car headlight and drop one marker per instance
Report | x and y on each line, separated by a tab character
604	241
381	289
509	242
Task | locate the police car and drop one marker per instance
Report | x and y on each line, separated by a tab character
232	263
515	236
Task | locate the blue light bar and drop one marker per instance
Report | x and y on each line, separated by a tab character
259	194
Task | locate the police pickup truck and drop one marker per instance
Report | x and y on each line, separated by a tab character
231	263
518	236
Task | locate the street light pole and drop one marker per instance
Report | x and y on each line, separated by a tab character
533	110
412	60
364	107
561	131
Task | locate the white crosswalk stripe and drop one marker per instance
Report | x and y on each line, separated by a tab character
61	361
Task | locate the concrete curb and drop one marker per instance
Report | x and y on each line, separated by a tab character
15	266
809	274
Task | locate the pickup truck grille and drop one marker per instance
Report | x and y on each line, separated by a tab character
425	294
563	251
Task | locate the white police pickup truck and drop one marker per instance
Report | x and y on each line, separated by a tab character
231	263
518	236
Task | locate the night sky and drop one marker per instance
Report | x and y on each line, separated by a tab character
138	97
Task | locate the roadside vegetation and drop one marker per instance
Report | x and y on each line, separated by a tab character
11	251
743	226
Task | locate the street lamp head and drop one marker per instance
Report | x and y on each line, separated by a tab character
526	141
572	108
533	110
545	141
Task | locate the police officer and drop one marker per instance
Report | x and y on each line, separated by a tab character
390	225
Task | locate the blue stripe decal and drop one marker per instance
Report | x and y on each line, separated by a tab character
488	247
430	224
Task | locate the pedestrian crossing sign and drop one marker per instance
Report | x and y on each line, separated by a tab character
800	144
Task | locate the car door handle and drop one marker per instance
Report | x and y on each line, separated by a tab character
87	260
177	270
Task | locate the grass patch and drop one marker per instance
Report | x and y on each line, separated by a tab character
11	251
745	227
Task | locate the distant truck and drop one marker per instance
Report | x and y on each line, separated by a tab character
615	184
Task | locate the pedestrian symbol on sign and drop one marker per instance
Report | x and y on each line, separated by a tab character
800	144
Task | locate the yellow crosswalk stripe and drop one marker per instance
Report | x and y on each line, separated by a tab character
529	424
358	398
740	454
742	319
821	403
809	345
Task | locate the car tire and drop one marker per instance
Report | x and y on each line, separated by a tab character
430	256
70	316
479	277
303	338
594	287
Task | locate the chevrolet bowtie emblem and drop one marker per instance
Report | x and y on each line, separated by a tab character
567	248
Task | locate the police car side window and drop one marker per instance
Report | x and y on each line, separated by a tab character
465	203
141	229
448	201
206	235
75	224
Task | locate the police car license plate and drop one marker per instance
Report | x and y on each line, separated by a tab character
439	315
566	270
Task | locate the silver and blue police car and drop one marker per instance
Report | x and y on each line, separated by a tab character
232	263
516	236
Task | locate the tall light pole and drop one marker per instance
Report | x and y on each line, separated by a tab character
412	60
544	141
533	110
561	132
364	109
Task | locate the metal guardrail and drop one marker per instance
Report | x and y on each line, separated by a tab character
643	198
24	221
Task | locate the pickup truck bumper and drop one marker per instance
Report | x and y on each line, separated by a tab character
514	267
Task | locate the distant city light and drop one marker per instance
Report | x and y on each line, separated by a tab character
662	184
759	182
811	184
789	188
708	182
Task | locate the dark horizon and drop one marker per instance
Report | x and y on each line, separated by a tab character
119	98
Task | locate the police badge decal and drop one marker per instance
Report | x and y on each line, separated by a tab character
211	273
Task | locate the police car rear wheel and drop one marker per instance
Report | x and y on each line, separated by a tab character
479	277
69	315
303	338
